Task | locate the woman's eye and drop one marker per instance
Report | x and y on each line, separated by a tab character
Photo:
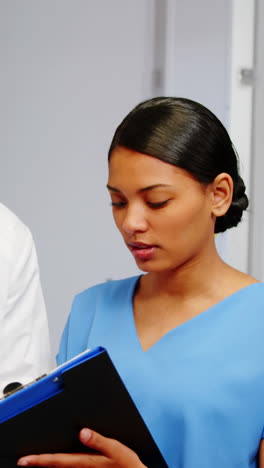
158	204
118	204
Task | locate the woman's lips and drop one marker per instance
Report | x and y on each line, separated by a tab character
142	251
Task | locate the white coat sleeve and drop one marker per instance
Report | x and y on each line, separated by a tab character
25	346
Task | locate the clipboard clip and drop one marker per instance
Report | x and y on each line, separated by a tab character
14	387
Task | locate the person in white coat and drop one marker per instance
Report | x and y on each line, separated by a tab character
24	333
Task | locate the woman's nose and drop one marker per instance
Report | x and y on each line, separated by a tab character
134	220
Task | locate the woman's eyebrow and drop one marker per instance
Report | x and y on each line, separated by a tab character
113	189
144	189
151	187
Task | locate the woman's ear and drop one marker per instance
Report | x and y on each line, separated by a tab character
222	193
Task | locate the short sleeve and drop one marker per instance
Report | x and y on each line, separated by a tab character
62	354
76	333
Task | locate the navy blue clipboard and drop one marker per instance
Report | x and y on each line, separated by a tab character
87	391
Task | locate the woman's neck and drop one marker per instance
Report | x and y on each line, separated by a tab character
203	276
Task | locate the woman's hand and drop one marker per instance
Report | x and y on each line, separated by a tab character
261	454
112	454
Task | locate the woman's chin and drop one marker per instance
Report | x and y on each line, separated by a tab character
151	266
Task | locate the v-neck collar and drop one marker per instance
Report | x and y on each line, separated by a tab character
189	324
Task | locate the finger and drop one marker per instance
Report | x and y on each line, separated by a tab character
58	460
110	448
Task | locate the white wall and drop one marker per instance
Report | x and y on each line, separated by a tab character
70	70
256	263
198	52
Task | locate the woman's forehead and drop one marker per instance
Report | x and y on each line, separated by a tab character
128	166
123	158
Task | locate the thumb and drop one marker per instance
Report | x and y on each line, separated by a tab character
85	435
110	448
100	443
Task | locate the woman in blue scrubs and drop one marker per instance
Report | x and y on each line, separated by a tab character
186	336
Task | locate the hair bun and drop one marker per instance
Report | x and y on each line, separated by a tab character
234	214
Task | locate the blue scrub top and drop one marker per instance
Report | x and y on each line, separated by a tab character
200	388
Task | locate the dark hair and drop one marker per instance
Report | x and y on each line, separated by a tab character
185	133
